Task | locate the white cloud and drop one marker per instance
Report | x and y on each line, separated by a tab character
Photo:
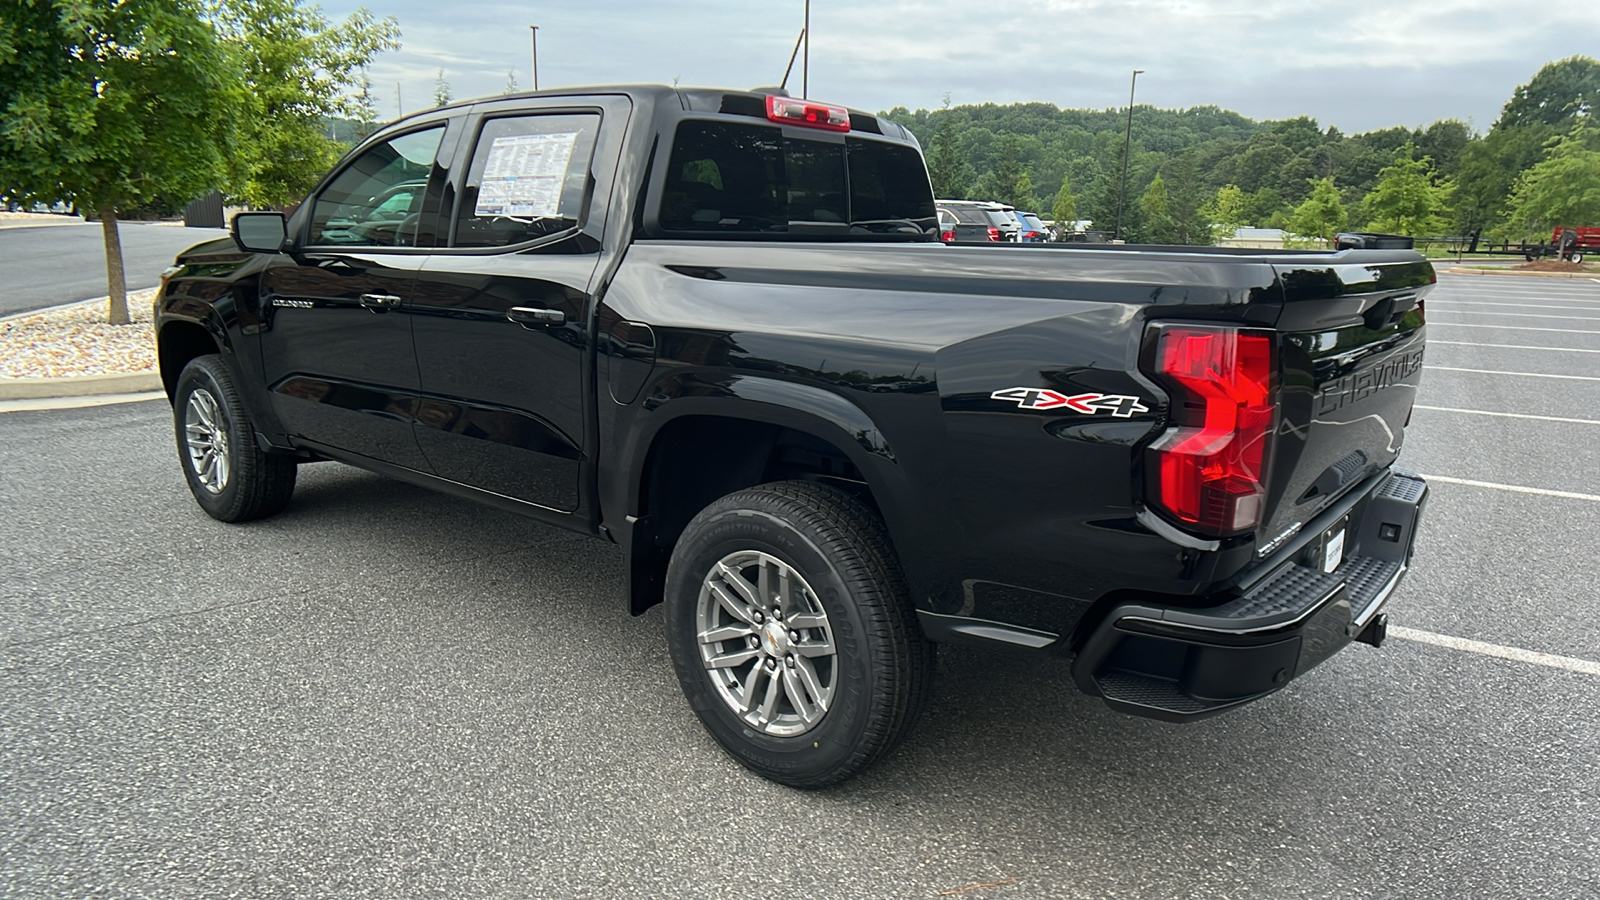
1355	65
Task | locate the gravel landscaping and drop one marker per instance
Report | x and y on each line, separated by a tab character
75	340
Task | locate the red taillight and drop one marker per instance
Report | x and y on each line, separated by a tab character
948	236
1209	470
789	111
994	234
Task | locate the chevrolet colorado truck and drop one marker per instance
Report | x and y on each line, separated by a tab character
718	329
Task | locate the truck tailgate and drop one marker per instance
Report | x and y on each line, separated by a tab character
1350	349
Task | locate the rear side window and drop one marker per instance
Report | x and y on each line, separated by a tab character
968	215
527	180
1000	218
733	178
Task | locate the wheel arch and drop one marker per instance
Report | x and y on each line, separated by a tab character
754	431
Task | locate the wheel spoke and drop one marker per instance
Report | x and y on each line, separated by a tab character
770	702
808	676
732	578
734	607
726	633
796	692
800	621
729	660
764	583
812	648
221	469
749	696
785	592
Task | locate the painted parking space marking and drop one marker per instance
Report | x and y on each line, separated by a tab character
1499	651
1432	341
1476	312
1434	305
1514	488
1506	415
1517	374
1510	327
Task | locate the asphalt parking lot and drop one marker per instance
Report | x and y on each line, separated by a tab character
389	693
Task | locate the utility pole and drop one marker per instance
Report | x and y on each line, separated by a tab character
805	63
399	109
535	30
1127	144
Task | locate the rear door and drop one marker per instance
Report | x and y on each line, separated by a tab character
336	346
501	312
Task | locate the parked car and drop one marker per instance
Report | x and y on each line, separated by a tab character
718	329
980	222
1031	229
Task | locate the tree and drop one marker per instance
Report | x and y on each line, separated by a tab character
1022	196
1226	210
1564	189
441	90
366	109
1406	199
1065	209
511	82
299	69
945	165
112	106
1559	93
1159	227
1322	215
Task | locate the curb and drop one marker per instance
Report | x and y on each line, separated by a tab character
1461	271
79	386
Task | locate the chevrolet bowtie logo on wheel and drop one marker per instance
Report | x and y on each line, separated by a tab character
1120	405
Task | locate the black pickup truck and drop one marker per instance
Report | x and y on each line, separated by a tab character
718	329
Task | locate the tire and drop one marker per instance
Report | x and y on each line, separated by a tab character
1575	256
807	712
231	478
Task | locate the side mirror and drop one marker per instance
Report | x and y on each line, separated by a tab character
259	232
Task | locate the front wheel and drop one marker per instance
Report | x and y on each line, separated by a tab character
792	632
1576	256
231	478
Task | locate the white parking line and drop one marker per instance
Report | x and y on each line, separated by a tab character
1485	412
1514	488
1519	374
1511	327
1434	305
1476	312
1516	654
1513	346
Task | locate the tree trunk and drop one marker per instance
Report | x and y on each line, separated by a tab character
116	279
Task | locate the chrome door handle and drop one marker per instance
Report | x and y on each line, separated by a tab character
527	315
380	301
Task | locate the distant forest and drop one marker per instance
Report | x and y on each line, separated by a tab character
1195	173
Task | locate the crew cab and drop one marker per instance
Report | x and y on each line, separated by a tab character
719	329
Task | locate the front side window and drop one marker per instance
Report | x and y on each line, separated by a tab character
528	179
377	200
733	178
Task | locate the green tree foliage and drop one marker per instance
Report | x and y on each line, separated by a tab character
947	168
1226	210
366	109
112	106
1321	215
1158	226
1065	208
1559	93
1406	199
299	70
1563	189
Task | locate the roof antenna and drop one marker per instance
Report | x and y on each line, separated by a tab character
784	84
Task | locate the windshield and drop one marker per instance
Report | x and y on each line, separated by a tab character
738	179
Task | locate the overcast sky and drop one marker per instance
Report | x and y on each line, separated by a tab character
1358	66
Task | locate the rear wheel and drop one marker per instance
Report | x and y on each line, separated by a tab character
231	478
1576	256
792	633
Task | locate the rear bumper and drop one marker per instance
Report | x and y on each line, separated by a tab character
1180	664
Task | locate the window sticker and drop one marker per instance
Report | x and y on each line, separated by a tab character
523	175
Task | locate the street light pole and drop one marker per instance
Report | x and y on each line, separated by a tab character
1127	144
805	63
535	30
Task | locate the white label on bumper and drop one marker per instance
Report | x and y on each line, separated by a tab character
1333	554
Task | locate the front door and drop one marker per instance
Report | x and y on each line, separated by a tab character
337	346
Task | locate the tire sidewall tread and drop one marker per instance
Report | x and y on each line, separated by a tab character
259	484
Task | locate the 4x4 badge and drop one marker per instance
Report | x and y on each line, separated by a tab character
1120	405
